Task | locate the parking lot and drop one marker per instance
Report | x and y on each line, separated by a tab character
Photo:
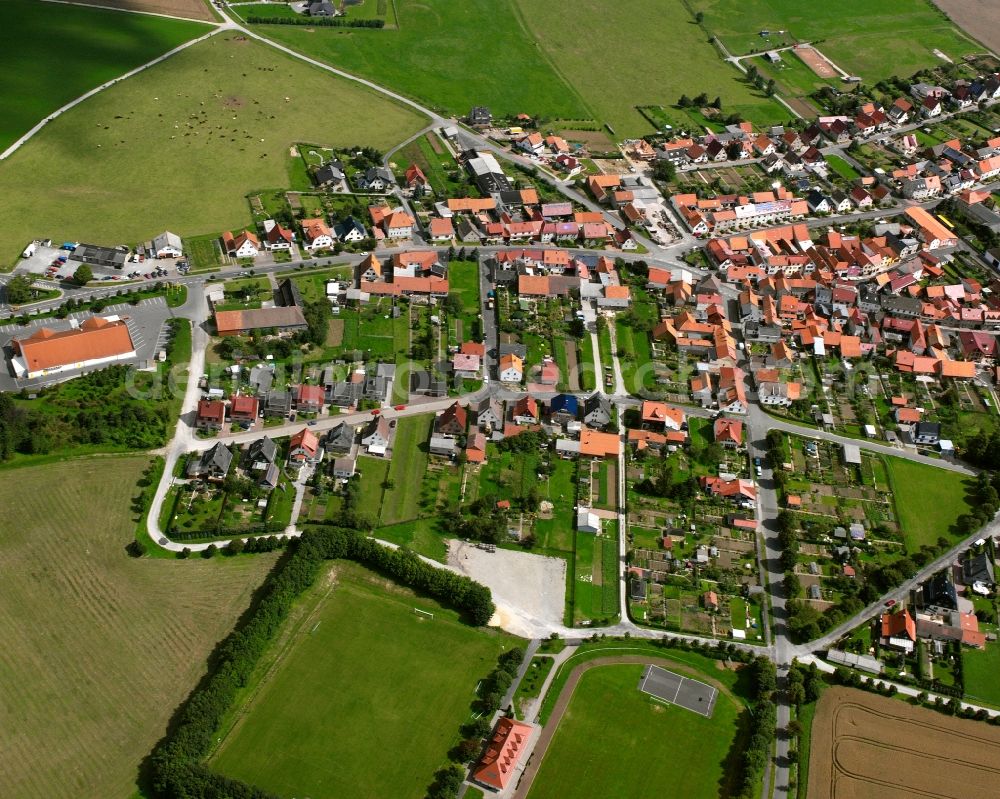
146	322
50	262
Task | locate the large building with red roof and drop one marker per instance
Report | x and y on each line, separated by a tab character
97	342
498	765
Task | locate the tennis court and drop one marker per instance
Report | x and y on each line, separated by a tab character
681	691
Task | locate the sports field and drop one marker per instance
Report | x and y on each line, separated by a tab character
179	146
616	741
928	500
449	55
365	696
873	40
99	649
868	745
54	53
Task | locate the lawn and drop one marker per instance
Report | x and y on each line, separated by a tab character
358	674
928	500
841	167
874	40
638	356
616	741
463	281
531	686
430	57
91	46
99	648
980	669
220	103
652	47
406	472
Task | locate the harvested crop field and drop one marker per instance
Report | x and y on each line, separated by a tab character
189	9
99	648
865	745
978	18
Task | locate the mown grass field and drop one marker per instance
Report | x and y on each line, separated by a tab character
979	673
218	119
928	500
401	501
99	648
873	40
365	697
450	55
60	52
646	52
615	741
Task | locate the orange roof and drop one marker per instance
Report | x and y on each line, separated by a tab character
728	430
533	285
662	413
314	228
305	439
511	361
896	625
243	405
471	204
96	339
598	444
617	292
442	227
212	409
499	762
928	224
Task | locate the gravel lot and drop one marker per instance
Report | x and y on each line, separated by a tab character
529	590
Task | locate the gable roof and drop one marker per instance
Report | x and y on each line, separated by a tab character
97	338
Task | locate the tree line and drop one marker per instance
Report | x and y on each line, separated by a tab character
317	22
176	770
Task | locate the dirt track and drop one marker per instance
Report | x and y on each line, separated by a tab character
189	9
979	18
865	745
816	61
549	730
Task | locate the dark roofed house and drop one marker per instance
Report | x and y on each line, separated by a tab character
480	116
288	294
597	410
927	433
260	453
322	8
978	569
339	438
938	593
213	464
329	174
278	403
563	408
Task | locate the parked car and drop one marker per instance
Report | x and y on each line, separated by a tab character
400	407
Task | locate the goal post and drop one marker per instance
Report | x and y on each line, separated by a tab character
422	613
